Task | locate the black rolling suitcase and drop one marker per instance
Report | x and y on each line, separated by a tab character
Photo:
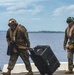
44	59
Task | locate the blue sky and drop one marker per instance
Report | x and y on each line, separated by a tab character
37	15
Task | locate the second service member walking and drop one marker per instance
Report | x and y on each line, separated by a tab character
18	36
69	38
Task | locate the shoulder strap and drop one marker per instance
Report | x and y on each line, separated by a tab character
69	31
21	27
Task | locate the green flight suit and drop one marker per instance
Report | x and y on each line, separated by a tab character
70	41
21	38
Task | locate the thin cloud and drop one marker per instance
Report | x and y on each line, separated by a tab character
21	6
59	10
33	11
71	7
35	19
63	9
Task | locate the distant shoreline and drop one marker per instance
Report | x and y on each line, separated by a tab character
46	32
42	31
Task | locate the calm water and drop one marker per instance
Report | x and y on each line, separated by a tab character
54	40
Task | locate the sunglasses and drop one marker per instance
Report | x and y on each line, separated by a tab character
12	24
69	21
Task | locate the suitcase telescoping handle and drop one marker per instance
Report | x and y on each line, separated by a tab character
29	48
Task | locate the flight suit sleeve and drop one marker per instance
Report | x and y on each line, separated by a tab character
27	39
65	38
8	36
73	33
25	36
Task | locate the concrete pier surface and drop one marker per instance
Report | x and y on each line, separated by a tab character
19	69
37	73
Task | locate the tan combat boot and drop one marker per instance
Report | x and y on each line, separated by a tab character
29	73
69	72
7	73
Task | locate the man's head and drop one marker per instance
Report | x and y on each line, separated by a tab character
12	23
70	20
